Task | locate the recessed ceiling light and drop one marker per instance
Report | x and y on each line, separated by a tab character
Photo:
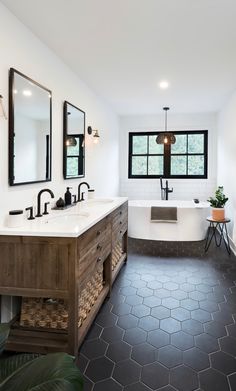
27	93
164	84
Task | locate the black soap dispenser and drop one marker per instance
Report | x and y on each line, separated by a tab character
68	196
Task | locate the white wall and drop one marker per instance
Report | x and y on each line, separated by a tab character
184	189
227	159
22	50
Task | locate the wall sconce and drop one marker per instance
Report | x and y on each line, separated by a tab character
95	133
2	110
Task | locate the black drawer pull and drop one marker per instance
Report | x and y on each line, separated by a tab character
121	222
99	260
120	212
98	233
99	247
120	232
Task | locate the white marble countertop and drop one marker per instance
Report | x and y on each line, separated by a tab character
71	222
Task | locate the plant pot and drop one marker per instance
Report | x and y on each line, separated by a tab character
218	214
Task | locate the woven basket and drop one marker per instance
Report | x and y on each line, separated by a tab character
117	254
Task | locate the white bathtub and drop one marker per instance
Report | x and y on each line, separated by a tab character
191	224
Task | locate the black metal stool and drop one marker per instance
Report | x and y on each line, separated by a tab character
218	226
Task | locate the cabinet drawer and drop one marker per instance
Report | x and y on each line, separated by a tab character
96	254
93	236
119	231
120	212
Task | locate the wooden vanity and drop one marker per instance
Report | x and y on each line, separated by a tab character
74	274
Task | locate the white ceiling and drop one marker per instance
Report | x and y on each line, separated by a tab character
123	48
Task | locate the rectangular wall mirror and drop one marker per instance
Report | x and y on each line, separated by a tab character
30	130
74	142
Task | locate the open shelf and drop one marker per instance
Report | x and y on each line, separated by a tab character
119	265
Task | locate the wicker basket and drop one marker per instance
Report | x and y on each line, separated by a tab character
53	313
117	254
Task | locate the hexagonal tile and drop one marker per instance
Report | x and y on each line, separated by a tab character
217	297
144	353
155	375
192	327
204	288
138	284
81	362
180	314
94	348
158	338
135	336
112	334
106	320
171	286
144	292
170	356
183	378
231	330
147	277
196	359
209	306
189	304
215	329
170	325
223	317
108	384
187	287
170	303
160	312
121	309
232	381
210	379
140	310
136	387
182	340
127	372
118	351
228	345
207	343
122	282
127	291
196	295
162	278
162	293
223	362
148	323
133	276
152	301
99	369
201	315
179	295
94	332
154	285
133	300
127	321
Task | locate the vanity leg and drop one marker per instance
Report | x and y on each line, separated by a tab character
73	303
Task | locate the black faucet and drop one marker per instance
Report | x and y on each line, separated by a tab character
82	183
39	200
165	190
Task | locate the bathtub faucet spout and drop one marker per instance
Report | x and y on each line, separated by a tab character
165	190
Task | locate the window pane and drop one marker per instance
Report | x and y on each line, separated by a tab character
139	165
139	145
154	147
72	166
178	165
155	165
181	144
196	165
195	143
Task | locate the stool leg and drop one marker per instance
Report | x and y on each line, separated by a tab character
226	241
209	237
221	229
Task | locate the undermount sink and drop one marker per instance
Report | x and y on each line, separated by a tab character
72	218
99	201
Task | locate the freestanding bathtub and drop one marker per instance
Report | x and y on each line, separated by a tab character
191	222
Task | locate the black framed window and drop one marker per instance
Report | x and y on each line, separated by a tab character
75	157
187	158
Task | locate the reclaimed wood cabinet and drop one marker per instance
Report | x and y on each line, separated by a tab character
62	282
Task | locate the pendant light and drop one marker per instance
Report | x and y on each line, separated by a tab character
166	137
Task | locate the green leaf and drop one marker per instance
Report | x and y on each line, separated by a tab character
11	364
56	372
4	332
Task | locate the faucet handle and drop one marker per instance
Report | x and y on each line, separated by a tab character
74	198
82	196
46	208
31	216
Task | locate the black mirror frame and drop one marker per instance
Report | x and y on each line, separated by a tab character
65	128
11	130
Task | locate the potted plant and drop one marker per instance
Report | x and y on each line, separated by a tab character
217	203
31	372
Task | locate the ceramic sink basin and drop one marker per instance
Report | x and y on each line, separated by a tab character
99	202
69	219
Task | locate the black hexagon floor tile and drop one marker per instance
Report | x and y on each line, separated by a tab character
99	369
160	312
170	303
118	351
189	304
158	338
94	332
112	334
127	321
183	378
94	348
170	356
231	330
207	343
228	345
201	315
193	327
106	320
155	375
223	362
127	372
140	310
182	340
148	323
133	300
179	294
135	336
212	380
215	329
137	387
144	353
170	325
152	301
196	359
162	293
107	385
121	309
180	314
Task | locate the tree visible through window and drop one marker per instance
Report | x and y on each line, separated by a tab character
187	158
